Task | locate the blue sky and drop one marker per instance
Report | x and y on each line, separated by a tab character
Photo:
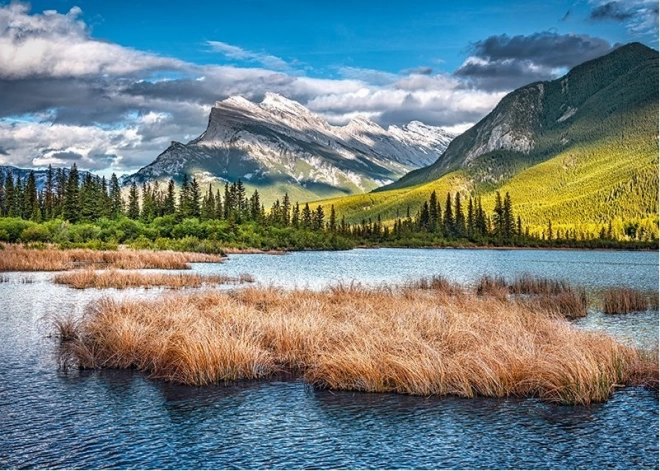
109	84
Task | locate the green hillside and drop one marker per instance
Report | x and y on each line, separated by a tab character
599	168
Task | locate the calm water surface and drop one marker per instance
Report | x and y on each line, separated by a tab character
120	419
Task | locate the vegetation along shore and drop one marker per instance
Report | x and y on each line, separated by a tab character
93	213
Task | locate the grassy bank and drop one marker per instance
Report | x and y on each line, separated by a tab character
83	279
15	257
426	340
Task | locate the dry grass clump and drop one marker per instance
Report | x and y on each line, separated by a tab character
436	283
494	286
354	338
16	258
83	279
553	296
529	284
623	301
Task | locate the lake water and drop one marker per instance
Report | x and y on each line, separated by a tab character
119	419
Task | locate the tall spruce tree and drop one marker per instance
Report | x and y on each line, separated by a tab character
133	210
71	206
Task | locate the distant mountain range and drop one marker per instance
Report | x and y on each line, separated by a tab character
280	146
581	150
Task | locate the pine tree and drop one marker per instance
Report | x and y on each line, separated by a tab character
332	224
71	206
32	210
169	202
459	217
10	195
3	196
208	205
448	219
508	218
498	217
286	210
295	216
434	208
133	211
116	202
470	226
49	194
306	217
195	197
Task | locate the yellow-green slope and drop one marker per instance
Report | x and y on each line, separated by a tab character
582	188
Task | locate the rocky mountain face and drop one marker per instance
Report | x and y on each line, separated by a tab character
280	146
594	101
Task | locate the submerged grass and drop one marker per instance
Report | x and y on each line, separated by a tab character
403	340
17	258
624	300
83	279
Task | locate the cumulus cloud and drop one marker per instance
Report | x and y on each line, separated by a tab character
59	45
505	62
66	97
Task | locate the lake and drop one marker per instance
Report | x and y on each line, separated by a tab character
119	419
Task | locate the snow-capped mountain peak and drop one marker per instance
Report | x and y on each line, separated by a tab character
280	142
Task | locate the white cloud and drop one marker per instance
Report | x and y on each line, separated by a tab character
235	52
68	97
58	45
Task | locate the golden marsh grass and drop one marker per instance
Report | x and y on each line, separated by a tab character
403	340
17	258
624	300
83	279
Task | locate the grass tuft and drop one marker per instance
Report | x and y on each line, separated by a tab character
83	279
349	337
17	258
623	301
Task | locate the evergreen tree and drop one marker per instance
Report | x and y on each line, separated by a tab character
10	195
295	216
32	210
195	197
116	202
169	202
508	224
61	181
286	210
434	211
459	217
317	222
208	205
3	197
49	194
332	224
498	217
470	225
306	217
448	219
71	206
133	211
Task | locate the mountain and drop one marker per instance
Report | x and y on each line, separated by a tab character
280	146
541	120
581	151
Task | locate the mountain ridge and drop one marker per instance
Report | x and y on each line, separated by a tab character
531	123
279	144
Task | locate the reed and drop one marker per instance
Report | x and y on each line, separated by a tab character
494	286
624	300
17	258
83	279
356	338
529	284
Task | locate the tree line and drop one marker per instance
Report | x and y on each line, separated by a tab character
88	199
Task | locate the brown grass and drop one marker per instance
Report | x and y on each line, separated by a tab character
353	338
83	279
624	300
16	258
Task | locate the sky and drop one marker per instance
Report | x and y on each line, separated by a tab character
109	84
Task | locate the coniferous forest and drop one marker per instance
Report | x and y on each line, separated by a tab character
84	210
